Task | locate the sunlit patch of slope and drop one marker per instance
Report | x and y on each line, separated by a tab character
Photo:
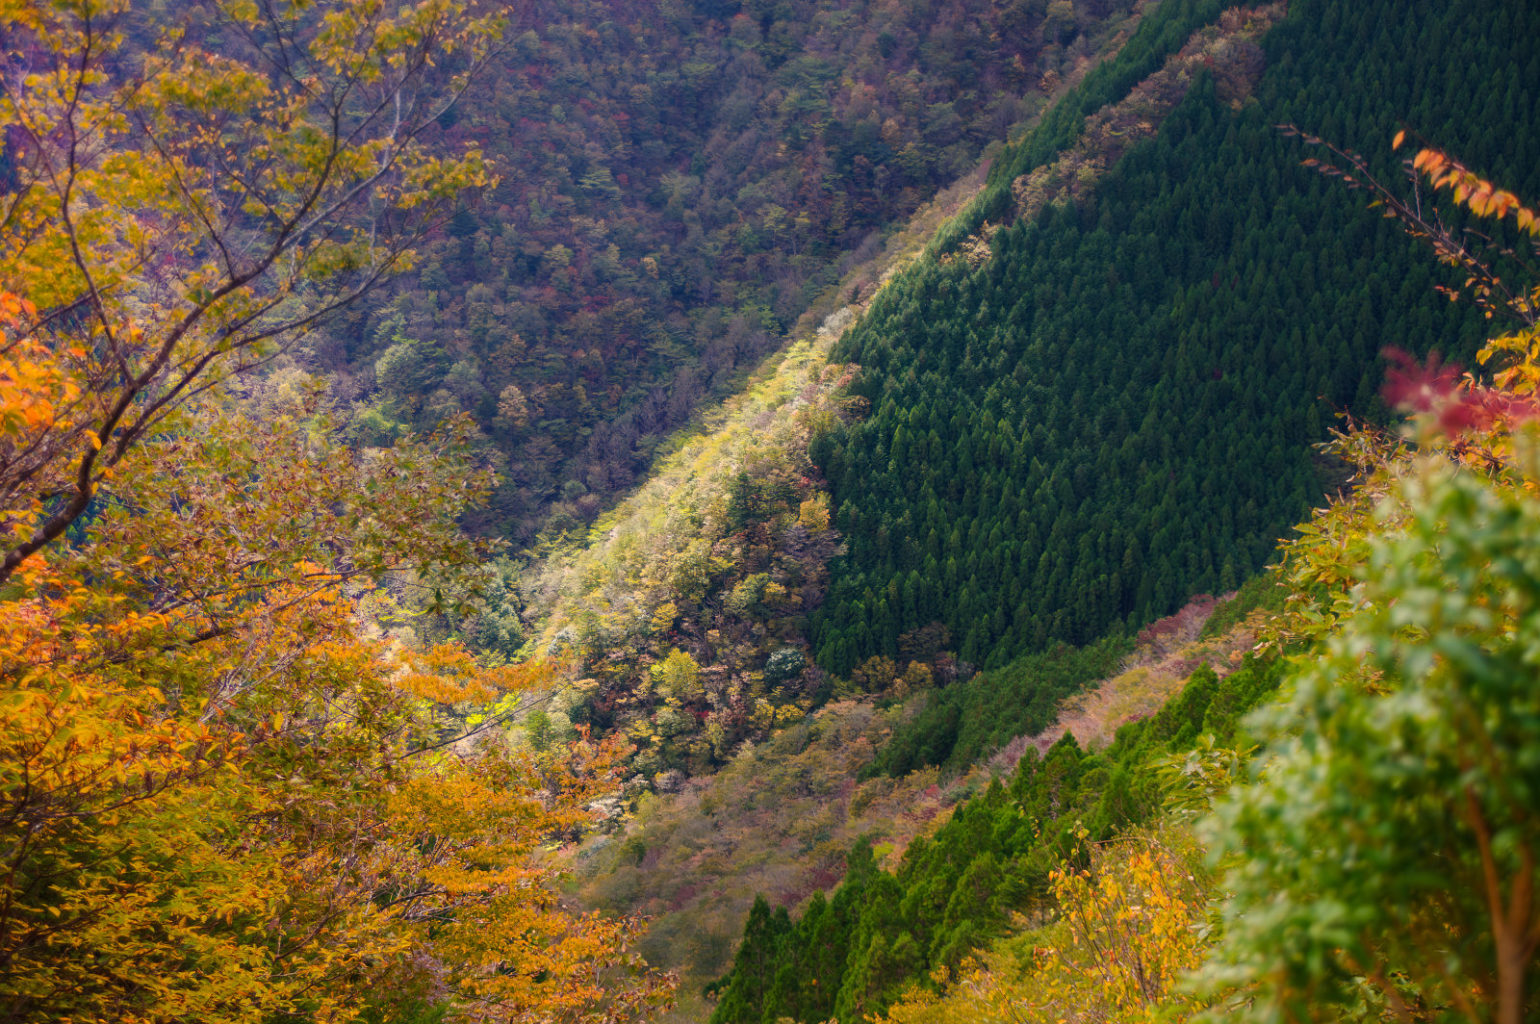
685	608
687	612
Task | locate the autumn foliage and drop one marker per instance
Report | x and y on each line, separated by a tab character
1129	929
226	796
225	793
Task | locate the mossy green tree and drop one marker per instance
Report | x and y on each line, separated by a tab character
1387	852
1390	838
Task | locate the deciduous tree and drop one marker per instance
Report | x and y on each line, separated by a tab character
189	198
1386	851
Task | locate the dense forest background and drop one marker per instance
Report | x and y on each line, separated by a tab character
678	181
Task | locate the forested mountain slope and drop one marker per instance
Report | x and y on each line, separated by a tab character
1112	410
1071	423
250	772
685	610
678	181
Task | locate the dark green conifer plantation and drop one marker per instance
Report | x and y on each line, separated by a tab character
1114	411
